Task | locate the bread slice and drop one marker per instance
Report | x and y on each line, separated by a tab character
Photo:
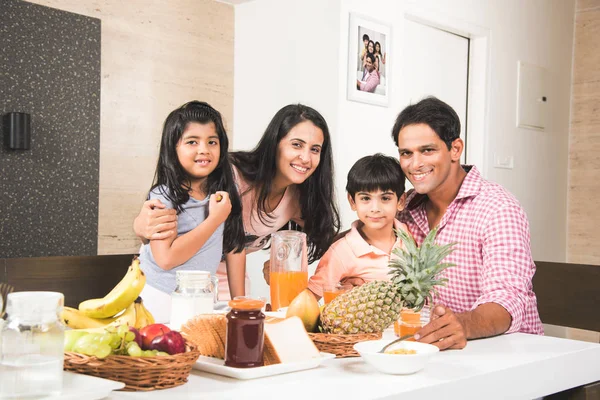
288	342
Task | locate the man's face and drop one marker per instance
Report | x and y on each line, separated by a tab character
369	65
425	158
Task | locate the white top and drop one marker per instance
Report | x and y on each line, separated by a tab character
517	365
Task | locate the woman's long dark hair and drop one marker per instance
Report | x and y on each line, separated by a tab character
172	176
317	201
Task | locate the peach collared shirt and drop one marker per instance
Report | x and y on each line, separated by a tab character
352	256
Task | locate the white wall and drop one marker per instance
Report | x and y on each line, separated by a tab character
535	31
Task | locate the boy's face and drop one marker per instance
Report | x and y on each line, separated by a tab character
377	210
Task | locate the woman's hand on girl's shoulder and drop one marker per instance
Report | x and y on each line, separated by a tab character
219	206
155	221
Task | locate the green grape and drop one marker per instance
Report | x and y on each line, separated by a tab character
105	338
111	329
122	330
71	337
83	343
133	349
162	354
148	353
129	336
103	351
115	341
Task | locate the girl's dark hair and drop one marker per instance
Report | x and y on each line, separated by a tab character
317	201
376	172
377	43
172	179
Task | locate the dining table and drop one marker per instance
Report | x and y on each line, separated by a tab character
509	366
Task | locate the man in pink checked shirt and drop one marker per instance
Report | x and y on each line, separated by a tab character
489	291
370	78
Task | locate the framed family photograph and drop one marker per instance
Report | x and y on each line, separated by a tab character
369	61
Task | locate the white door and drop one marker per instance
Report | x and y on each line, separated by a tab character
436	63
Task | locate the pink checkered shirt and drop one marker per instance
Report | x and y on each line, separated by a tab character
493	255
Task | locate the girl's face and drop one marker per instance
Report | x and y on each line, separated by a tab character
298	154
199	150
371	50
378	48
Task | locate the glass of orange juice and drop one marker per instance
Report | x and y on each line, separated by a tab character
331	291
289	267
410	321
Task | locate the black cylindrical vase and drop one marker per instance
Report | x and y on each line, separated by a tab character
17	131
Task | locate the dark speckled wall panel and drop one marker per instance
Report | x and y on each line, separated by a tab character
50	68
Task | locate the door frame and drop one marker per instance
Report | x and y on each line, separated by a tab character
477	80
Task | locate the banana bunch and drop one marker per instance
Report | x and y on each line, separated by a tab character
122	306
120	297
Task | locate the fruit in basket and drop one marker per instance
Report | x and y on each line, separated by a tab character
374	306
149	332
170	342
143	316
75	319
122	295
138	336
305	307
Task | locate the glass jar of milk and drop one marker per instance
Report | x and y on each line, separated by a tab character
31	356
193	295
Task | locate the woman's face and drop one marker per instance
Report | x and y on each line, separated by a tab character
371	50
378	48
298	154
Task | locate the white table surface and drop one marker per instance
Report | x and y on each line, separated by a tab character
515	366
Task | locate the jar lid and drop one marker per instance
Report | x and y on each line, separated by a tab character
34	306
246	303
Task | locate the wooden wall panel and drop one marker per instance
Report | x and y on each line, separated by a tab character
584	150
155	57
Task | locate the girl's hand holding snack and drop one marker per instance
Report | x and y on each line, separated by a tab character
219	206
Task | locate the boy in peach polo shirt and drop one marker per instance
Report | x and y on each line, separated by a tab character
376	192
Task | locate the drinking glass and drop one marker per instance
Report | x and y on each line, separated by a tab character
331	291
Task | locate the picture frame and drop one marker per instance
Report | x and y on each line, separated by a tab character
369	81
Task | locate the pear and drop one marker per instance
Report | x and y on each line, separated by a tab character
305	307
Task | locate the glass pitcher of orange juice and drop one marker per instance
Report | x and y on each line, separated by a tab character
289	267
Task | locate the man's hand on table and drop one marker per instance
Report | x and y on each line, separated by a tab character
445	330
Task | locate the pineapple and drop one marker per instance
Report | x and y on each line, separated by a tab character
374	306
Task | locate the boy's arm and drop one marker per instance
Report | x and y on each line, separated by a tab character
236	273
174	251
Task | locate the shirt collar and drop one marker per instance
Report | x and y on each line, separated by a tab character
470	187
359	246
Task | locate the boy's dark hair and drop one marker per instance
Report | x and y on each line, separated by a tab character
376	172
371	57
431	111
365	37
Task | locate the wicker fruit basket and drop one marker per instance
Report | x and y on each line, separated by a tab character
137	373
341	345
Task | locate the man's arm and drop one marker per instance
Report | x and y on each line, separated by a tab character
449	330
507	272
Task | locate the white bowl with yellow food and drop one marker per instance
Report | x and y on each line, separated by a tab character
406	357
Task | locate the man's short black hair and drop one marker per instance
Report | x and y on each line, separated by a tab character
365	37
371	57
431	111
376	172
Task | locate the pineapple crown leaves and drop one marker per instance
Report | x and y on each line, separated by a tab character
414	271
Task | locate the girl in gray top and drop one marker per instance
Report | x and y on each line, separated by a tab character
194	177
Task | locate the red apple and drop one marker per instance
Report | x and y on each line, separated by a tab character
149	332
138	337
171	342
